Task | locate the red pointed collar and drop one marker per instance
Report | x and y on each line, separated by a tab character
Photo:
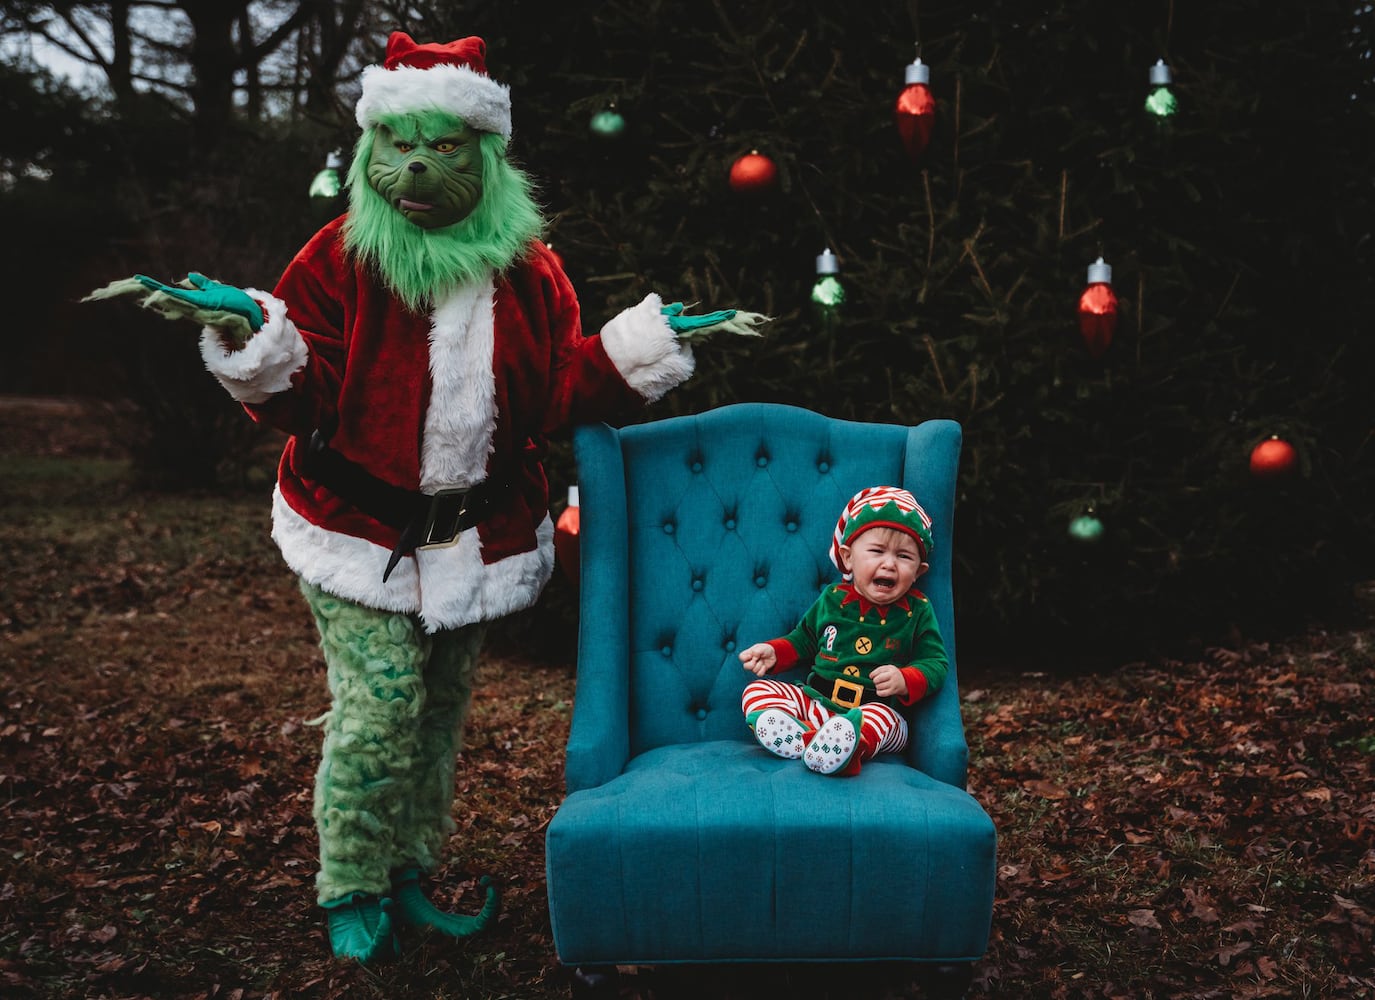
853	596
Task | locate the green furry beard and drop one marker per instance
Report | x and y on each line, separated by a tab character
420	265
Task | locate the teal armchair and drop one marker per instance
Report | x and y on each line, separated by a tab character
680	839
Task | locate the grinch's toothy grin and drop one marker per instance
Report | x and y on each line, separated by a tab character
406	205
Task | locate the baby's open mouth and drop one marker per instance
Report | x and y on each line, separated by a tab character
884	581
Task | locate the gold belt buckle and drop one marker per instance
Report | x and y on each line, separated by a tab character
855	691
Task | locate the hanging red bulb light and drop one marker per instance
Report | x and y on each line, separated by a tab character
1098	309
567	550
915	110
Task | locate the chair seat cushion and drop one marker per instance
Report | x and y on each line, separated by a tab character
890	864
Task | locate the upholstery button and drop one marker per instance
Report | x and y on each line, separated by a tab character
696	466
730	524
730	645
760	580
667	650
762	461
668	528
697	584
701	715
791	526
823	466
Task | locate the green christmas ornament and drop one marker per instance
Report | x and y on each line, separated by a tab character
1086	528
608	123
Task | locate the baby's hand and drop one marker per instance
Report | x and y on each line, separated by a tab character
758	659
888	681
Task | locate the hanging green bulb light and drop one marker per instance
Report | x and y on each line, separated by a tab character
1161	101
828	292
325	185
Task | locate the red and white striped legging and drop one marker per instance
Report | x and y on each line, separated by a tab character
883	727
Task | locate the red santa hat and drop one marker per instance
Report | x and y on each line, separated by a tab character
882	507
449	77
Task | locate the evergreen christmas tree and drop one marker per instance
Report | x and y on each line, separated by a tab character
1237	230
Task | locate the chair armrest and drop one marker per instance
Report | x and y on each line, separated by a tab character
938	745
599	741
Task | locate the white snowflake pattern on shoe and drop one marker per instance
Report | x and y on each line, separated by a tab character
832	746
779	733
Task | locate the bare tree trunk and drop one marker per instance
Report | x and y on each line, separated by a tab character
337	26
213	60
120	72
253	82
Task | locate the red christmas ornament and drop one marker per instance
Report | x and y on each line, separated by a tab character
916	111
753	173
566	532
1273	458
1098	309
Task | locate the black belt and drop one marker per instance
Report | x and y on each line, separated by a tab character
424	519
841	690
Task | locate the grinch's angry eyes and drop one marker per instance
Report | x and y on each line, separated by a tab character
434	181
442	146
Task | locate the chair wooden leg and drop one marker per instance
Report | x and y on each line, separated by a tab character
946	982
597	982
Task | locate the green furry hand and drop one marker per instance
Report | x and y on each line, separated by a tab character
204	300
734	321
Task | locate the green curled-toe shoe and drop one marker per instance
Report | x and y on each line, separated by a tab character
413	909
361	927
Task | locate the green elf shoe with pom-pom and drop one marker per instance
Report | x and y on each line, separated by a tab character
413	909
360	926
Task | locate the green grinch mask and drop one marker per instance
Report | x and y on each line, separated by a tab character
432	176
494	215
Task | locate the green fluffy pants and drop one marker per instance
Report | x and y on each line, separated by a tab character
398	699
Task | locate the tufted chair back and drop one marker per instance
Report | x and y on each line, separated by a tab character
703	534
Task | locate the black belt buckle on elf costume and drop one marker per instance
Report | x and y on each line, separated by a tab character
444	518
855	693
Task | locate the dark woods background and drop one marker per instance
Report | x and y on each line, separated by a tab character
1239	233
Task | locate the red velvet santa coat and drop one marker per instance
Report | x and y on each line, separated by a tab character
468	392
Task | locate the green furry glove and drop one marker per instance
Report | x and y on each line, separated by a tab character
734	321
198	298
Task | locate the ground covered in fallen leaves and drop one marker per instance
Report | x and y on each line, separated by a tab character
1179	830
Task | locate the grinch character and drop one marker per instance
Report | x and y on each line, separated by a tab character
419	351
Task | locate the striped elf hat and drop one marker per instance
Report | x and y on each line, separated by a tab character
882	507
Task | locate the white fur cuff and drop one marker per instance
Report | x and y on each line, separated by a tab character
266	363
641	345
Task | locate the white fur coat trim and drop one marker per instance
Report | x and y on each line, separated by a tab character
478	100
641	345
266	363
448	587
462	414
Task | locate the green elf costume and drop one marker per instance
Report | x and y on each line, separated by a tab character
835	720
419	352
